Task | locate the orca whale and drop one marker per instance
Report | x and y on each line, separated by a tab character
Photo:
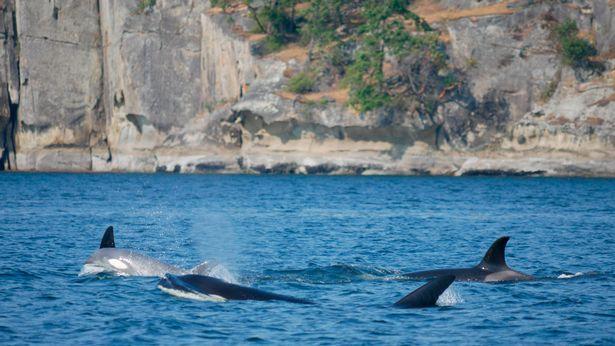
492	268
426	295
109	259
209	288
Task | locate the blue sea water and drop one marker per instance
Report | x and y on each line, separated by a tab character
340	241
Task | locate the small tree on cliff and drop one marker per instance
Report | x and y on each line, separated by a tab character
576	51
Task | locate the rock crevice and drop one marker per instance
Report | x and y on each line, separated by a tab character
9	85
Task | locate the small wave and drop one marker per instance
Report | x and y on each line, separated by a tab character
255	339
449	297
19	273
398	277
332	274
569	276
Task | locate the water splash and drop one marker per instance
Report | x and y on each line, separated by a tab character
449	297
216	270
213	236
221	272
91	269
569	276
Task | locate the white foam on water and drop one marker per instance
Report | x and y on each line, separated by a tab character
569	276
449	297
192	295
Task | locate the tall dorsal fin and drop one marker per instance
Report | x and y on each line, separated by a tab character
108	240
495	256
426	295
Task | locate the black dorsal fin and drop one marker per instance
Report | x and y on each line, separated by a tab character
426	295
495	256
108	240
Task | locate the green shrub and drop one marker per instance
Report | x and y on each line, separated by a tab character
277	19
365	78
350	40
145	4
301	83
322	18
223	4
575	50
567	29
368	97
269	44
449	80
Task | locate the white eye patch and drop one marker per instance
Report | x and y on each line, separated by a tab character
117	263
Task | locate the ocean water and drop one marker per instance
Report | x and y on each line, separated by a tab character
339	241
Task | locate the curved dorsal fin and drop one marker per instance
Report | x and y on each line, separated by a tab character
495	256
108	240
426	295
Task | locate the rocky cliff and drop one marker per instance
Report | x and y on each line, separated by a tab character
178	86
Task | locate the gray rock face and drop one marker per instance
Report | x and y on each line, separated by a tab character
604	23
548	108
153	85
511	61
227	65
107	86
60	108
